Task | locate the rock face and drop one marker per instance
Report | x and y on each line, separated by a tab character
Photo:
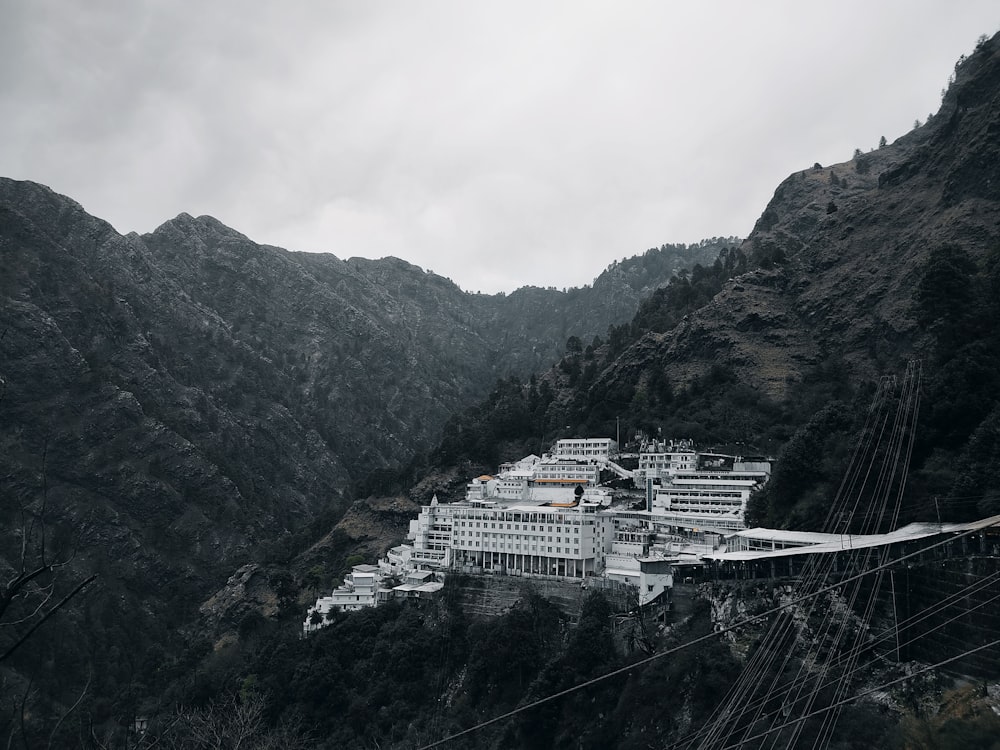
839	249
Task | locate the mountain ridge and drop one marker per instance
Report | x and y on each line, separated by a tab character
181	403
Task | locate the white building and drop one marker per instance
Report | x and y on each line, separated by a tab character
397	561
688	490
662	459
566	539
362	587
632	561
538	480
713	500
371	585
430	533
588	449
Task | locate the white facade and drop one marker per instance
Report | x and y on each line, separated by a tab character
662	459
549	479
569	538
576	471
430	533
706	500
397	561
588	449
535	539
362	587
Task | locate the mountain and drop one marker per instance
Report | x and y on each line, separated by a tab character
852	270
176	404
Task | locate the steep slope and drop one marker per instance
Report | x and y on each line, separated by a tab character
177	404
840	249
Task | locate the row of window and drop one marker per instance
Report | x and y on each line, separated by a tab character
532	548
517	527
688	494
516	537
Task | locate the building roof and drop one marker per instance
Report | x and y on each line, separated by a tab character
427	588
912	532
786	536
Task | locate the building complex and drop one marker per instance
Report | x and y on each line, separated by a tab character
554	515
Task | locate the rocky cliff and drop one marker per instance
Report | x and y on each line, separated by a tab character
839	249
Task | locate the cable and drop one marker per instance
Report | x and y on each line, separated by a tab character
889	633
706	637
875	689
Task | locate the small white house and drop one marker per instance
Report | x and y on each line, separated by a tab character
362	587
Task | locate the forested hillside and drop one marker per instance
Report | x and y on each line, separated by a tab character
179	404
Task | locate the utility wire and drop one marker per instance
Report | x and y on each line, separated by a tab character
706	637
864	693
884	636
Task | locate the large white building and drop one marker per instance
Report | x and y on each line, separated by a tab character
561	539
537	480
712	500
687	490
550	516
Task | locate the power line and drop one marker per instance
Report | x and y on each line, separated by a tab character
883	636
701	639
877	688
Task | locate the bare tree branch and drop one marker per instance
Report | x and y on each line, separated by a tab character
62	603
72	708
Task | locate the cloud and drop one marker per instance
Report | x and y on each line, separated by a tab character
498	144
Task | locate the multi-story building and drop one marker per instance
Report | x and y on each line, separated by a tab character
539	480
431	535
588	449
632	561
362	587
568	539
688	490
660	459
712	500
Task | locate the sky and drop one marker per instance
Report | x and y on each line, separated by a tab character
499	144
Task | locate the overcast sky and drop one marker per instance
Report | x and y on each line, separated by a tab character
496	143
